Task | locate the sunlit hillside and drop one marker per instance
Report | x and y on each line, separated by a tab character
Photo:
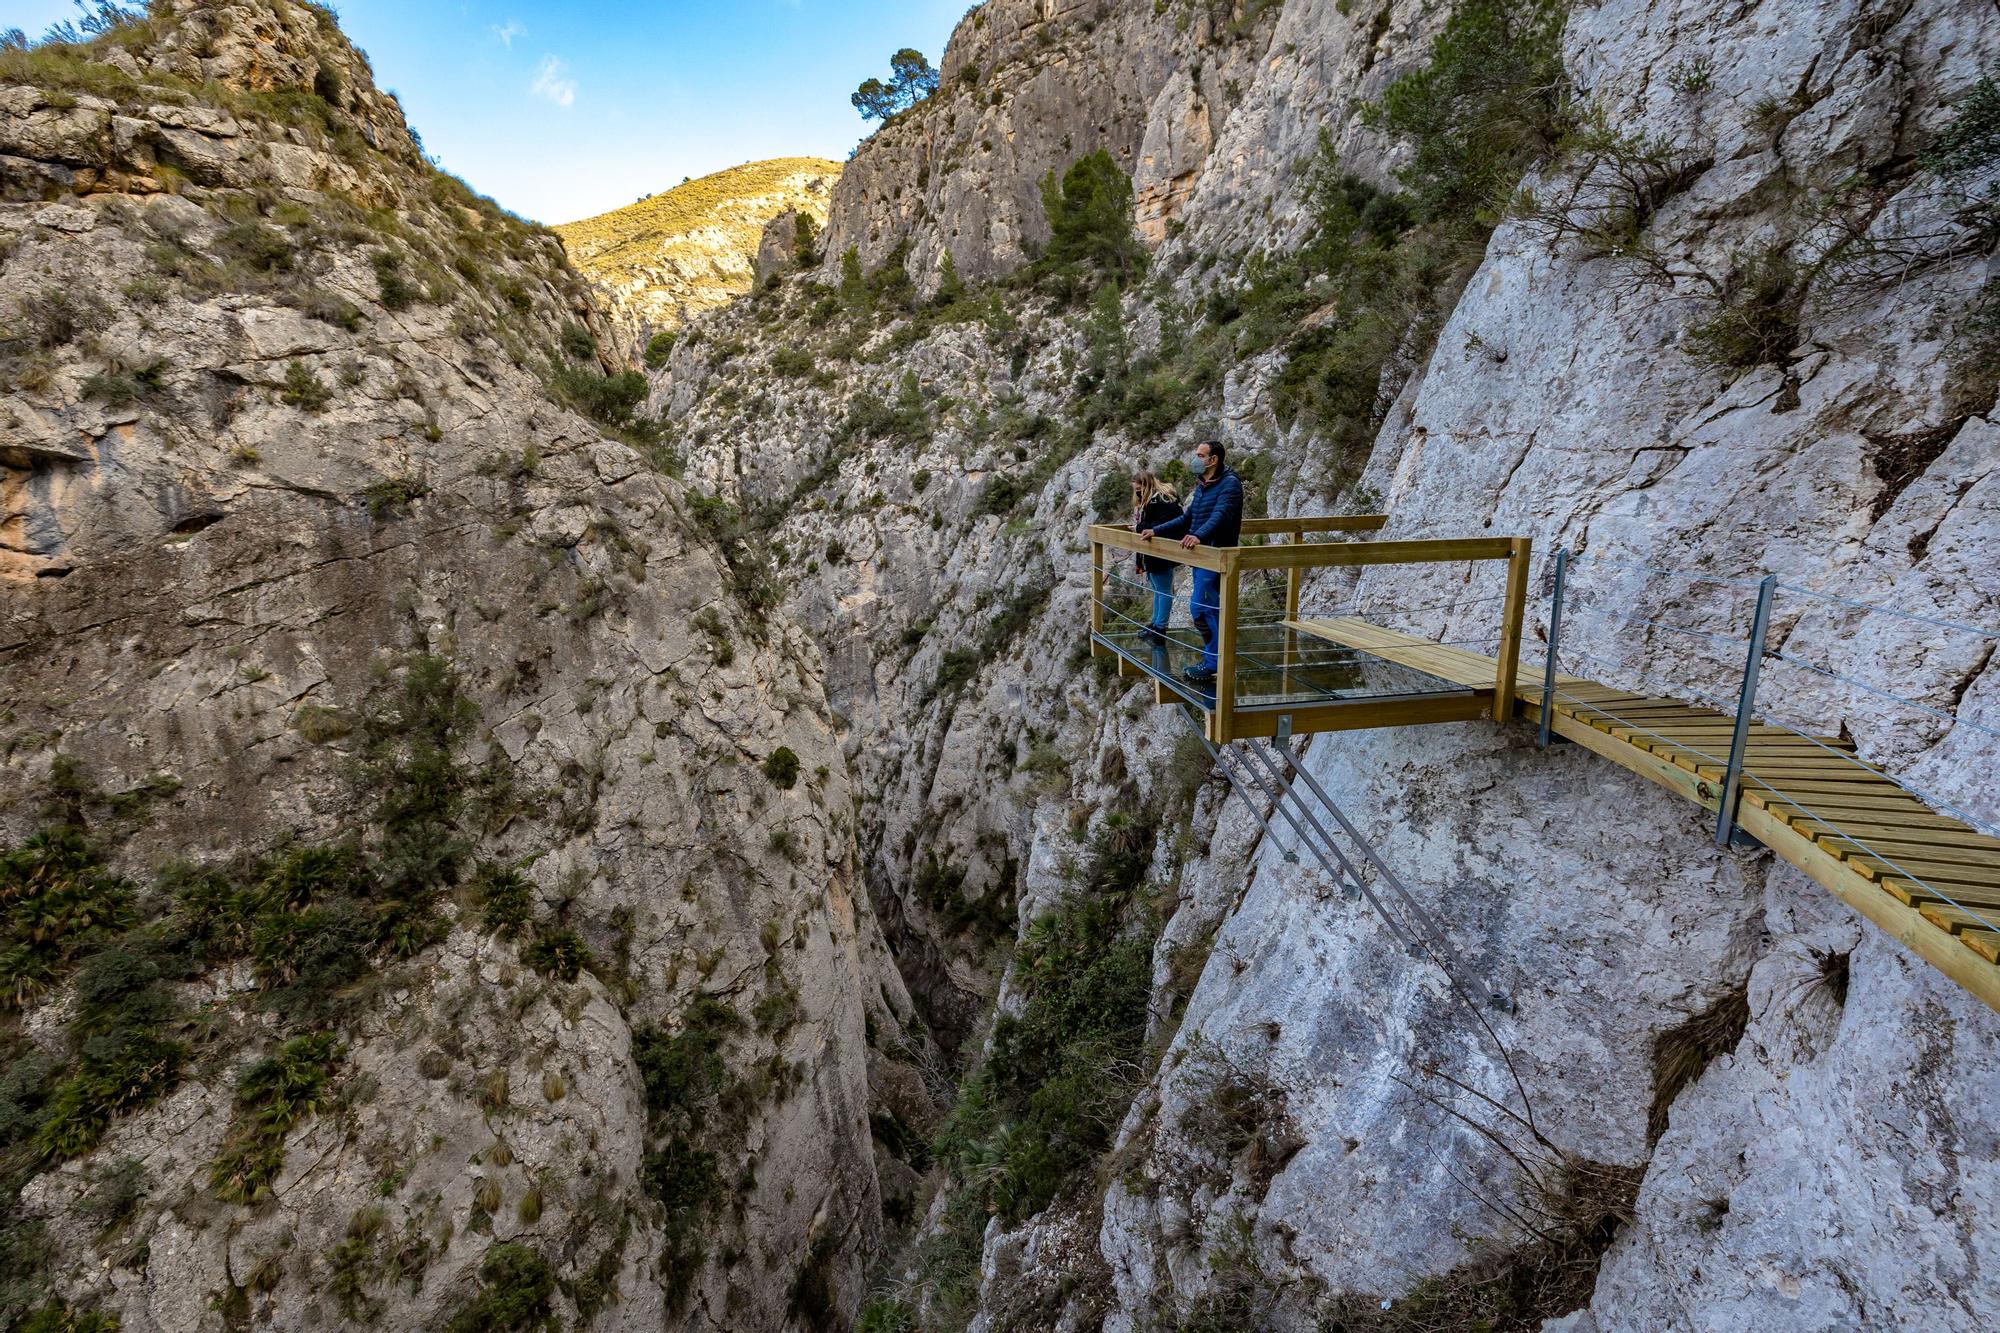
693	247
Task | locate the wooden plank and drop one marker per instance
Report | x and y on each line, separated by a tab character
1124	539
1975	932
1866	805
1362	715
1097	599
1882	864
1865	830
1917	893
1911	846
1317	523
1904	923
1325	554
1510	629
1675	779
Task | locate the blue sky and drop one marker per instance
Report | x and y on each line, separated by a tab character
561	111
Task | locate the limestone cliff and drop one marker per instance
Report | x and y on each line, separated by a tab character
1729	310
426	860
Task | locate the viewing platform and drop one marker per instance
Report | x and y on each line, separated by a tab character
1276	674
1917	867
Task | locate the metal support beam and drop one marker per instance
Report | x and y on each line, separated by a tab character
1746	708
1555	646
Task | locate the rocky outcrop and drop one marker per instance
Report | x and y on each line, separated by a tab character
283	472
1027	88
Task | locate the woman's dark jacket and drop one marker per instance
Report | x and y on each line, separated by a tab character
1158	510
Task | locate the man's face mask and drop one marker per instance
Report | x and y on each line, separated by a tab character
1199	462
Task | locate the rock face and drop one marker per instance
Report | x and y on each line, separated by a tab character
279	456
773	704
1026	88
926	472
673	255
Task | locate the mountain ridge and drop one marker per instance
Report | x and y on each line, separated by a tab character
670	256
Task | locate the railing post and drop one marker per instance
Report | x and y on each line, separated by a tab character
1225	651
1294	577
1096	596
1746	707
1504	683
1555	644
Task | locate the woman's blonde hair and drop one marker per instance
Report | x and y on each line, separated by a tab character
1148	486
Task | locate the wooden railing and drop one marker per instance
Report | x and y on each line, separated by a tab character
1295	556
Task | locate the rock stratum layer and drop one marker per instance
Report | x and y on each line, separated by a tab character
676	254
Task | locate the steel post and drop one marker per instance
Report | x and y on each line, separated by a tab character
1555	642
1746	707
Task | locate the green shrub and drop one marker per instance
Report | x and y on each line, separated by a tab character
275	1095
792	362
518	1283
119	384
396	291
682	1071
1111	500
558	953
505	899
1490	102
683	1179
1046	1100
57	899
392	497
116	1073
1756	322
259	248
1091	240
577	342
611	399
659	348
781	766
303	389
57	1317
956	669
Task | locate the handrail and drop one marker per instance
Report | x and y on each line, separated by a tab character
1315	523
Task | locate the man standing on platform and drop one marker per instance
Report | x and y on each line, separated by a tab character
1214	517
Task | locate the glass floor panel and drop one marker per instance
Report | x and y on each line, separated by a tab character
1278	667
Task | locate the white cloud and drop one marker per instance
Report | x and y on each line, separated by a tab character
508	31
553	82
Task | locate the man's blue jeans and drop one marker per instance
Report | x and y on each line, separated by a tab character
1206	603
1163	596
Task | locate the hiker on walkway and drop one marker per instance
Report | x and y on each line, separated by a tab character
1214	517
1154	503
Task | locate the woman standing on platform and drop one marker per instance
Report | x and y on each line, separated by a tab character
1154	504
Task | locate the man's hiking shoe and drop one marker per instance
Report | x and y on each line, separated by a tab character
1195	675
1151	635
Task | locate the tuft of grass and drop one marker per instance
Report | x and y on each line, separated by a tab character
559	954
516	1287
276	1094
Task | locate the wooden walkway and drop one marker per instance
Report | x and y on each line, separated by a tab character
1856	833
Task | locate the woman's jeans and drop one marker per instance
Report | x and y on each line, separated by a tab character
1163	595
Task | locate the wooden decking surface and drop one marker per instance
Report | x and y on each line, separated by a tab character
1847	825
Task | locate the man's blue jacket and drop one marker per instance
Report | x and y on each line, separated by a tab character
1214	513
